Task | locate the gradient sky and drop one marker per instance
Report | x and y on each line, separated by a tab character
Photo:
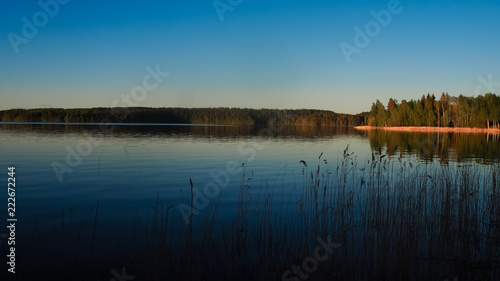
264	54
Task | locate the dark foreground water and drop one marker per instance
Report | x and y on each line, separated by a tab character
93	202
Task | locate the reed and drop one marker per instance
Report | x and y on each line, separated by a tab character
395	218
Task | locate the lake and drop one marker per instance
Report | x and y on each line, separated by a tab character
81	192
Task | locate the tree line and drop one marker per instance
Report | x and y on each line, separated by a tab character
221	116
447	111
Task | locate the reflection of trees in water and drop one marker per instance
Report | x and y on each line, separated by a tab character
202	132
444	146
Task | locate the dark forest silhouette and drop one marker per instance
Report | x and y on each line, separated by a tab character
448	111
222	116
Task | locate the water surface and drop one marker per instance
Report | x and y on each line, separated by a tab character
63	171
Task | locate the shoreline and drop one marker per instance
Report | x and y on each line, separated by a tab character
431	129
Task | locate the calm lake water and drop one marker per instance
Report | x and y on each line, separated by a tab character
62	171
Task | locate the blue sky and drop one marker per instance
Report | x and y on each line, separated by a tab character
264	54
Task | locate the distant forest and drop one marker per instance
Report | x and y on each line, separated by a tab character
221	116
448	111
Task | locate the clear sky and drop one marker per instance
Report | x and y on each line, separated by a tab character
263	54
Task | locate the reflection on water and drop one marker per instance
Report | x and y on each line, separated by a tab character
444	147
199	131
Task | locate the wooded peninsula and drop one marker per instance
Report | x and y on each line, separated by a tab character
448	111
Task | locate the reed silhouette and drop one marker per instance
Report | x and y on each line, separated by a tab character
394	218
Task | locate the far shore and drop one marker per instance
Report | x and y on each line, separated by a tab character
432	129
